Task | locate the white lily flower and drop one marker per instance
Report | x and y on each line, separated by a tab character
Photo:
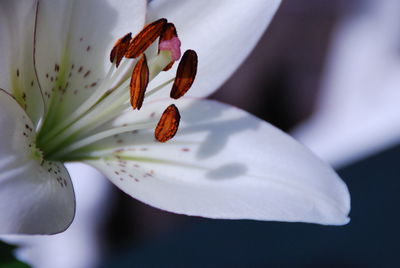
62	100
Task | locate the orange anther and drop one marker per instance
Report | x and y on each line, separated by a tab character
145	38
120	48
168	124
139	81
185	74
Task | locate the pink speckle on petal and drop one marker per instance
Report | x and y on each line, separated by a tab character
173	46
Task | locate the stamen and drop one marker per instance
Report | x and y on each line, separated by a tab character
168	32
169	41
185	74
158	88
145	38
139	81
168	124
111	97
101	135
120	48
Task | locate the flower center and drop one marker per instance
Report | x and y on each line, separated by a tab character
135	62
36	154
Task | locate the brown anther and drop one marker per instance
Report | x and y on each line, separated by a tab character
120	48
145	38
185	74
168	124
139	81
169	66
168	32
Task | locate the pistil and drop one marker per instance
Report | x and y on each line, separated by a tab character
117	93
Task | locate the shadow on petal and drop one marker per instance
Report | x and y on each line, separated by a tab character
219	131
228	171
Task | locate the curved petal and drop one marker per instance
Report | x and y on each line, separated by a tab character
223	163
223	33
79	246
73	44
17	75
36	197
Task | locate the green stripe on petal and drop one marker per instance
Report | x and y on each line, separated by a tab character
223	163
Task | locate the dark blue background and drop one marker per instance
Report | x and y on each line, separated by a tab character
369	240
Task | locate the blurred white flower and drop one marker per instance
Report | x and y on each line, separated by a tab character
358	111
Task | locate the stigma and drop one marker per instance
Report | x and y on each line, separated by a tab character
162	34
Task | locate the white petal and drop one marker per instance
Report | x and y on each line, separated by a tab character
73	43
224	163
79	246
35	197
223	33
17	75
